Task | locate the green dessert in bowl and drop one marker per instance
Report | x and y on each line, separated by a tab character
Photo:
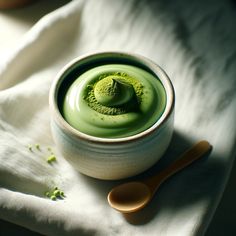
114	101
112	114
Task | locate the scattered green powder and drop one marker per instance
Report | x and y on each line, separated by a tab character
51	158
62	194
30	147
47	194
37	146
55	194
53	198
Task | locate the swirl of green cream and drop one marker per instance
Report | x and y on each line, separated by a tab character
114	101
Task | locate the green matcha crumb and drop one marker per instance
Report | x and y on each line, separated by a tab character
62	194
30	147
53	197
51	158
55	194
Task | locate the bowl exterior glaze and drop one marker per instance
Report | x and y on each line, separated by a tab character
112	159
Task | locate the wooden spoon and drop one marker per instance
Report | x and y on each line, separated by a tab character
133	196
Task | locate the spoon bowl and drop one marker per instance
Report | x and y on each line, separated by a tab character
133	196
123	196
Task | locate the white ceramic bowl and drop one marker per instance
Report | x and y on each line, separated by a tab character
107	158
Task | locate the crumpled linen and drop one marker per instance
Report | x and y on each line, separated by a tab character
194	43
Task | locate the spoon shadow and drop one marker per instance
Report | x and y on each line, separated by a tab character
143	216
170	195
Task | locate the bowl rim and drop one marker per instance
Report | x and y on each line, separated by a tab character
137	58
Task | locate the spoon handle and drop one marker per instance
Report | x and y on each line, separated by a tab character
191	155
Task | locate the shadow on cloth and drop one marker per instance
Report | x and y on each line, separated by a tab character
194	181
31	13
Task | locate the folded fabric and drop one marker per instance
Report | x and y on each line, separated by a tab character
194	43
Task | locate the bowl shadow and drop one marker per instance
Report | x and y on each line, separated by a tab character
170	195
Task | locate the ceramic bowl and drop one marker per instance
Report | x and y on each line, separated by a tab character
110	158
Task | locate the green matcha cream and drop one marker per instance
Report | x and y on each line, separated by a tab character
114	101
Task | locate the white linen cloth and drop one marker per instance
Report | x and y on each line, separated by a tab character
193	42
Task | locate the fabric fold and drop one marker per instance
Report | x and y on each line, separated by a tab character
186	42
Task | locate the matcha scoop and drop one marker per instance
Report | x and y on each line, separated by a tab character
112	91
